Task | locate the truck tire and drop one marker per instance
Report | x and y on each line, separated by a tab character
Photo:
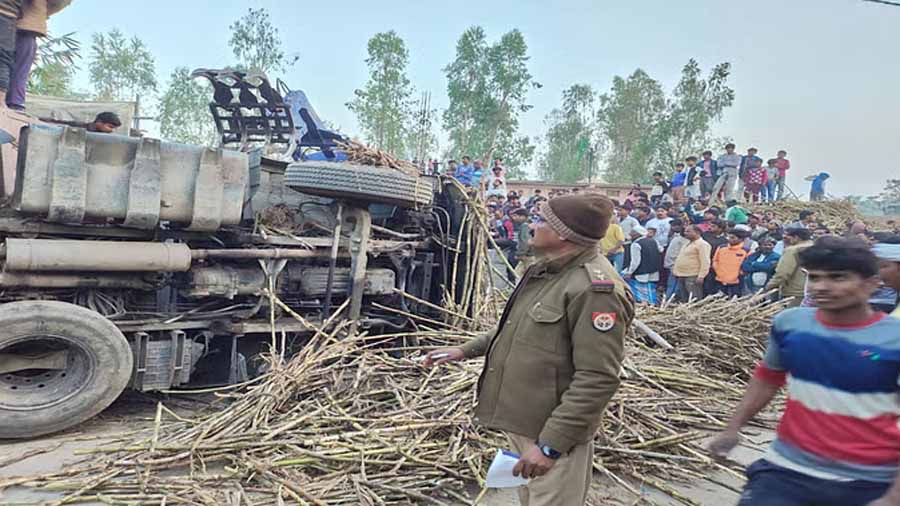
359	182
98	366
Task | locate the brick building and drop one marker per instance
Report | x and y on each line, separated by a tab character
611	190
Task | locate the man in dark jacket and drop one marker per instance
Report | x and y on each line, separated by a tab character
760	265
709	173
552	363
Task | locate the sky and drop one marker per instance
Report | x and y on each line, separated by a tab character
818	78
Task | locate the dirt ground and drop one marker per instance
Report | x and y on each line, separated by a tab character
135	411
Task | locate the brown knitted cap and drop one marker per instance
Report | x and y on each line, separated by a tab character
582	219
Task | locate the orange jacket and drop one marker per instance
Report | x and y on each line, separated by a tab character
727	263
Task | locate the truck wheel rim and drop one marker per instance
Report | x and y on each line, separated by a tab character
34	389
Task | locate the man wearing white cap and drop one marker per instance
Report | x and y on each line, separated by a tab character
888	252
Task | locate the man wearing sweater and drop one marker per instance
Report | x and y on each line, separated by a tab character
677	240
691	265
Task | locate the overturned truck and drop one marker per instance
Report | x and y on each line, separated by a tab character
134	263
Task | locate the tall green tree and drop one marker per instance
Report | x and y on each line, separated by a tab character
571	143
696	103
628	117
54	66
184	110
487	86
256	43
889	198
383	105
646	131
121	68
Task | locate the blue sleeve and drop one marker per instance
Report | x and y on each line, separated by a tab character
747	264
772	262
772	358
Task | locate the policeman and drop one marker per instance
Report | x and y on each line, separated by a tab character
553	359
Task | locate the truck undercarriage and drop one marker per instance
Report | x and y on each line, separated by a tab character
135	263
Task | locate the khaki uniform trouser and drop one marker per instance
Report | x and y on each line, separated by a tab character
568	481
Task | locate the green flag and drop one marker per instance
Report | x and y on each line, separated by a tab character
582	147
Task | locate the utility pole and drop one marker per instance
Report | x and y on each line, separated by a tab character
590	167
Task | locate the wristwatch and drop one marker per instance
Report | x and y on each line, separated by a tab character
548	452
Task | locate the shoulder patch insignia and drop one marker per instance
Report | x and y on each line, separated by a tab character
604	322
603	285
600	282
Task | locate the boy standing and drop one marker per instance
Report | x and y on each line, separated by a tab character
727	264
709	173
679	183
817	188
728	165
783	165
771	180
837	442
659	189
693	179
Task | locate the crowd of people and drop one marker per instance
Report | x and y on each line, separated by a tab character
731	176
679	241
688	252
683	252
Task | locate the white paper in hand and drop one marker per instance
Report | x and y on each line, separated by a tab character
500	474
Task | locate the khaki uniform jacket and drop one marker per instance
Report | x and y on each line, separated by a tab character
789	278
553	361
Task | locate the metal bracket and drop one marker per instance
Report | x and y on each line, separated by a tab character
68	179
144	189
359	243
180	373
140	360
208	192
428	272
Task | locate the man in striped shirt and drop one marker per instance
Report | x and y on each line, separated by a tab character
838	441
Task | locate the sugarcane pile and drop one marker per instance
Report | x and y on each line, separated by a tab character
361	154
348	421
835	214
726	341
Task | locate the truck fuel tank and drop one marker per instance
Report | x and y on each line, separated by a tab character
69	175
